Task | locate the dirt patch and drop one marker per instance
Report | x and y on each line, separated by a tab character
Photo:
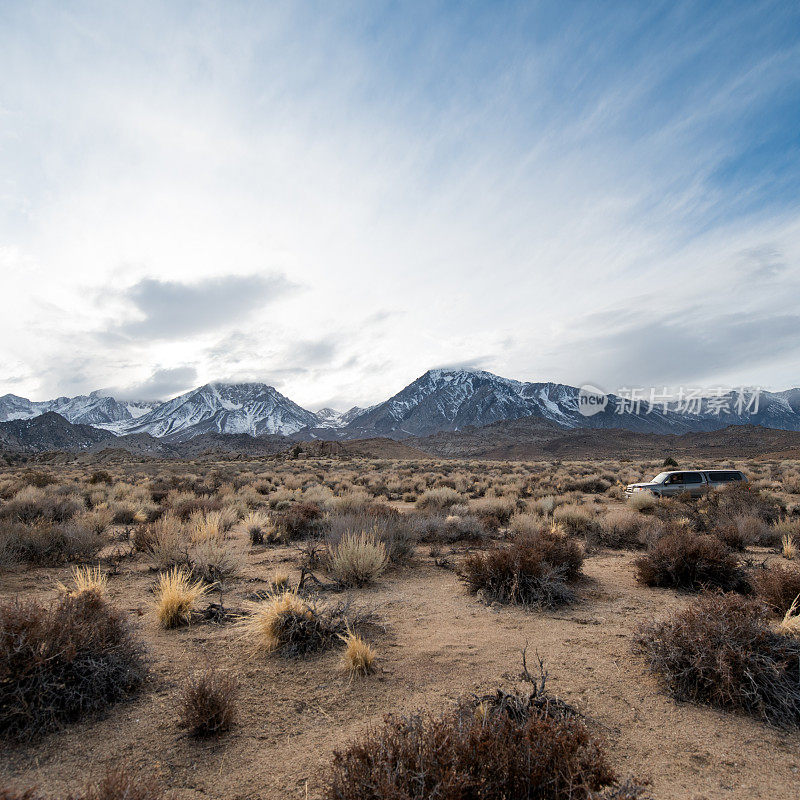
439	644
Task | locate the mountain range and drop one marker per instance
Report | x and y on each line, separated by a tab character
441	400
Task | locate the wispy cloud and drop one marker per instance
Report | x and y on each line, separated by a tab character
443	180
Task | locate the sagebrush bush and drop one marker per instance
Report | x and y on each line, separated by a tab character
777	586
576	519
357	559
48	544
622	529
533	570
208	703
686	560
722	651
61	662
298	521
439	499
33	504
511	748
396	532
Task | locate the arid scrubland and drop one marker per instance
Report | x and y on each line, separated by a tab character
354	629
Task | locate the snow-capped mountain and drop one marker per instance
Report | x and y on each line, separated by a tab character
97	409
439	400
252	408
329	418
448	400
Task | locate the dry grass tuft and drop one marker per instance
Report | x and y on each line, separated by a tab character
790	624
176	593
285	620
788	547
359	656
86	579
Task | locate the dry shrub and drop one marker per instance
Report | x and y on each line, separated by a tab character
741	500
534	570
439	500
208	703
298	521
47	544
506	746
165	539
622	529
122	784
497	510
392	529
777	586
61	662
575	519
176	594
359	656
216	559
686	560
184	506
294	626
642	501
259	527
33	504
722	651
527	524
358	558
118	783
592	484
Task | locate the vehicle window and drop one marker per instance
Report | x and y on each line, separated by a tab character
692	477
677	478
660	477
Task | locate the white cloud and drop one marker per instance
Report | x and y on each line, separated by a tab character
439	195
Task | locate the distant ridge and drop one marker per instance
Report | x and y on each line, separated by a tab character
440	400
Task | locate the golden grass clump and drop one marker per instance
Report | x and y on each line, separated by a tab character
790	624
267	627
87	579
358	559
259	527
176	593
788	547
359	656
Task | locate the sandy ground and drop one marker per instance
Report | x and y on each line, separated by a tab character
439	643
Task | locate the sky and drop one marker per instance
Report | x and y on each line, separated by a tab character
333	198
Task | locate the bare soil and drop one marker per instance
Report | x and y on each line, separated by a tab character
438	644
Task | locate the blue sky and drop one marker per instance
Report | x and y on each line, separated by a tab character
335	197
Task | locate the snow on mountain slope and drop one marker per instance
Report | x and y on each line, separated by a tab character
448	400
252	408
439	400
96	409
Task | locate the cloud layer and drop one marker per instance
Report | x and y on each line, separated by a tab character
551	192
171	310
